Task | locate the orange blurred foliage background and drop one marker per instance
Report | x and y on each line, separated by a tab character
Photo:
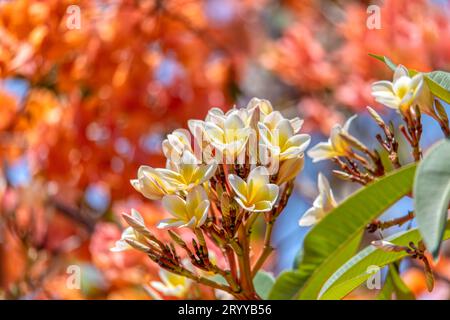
82	108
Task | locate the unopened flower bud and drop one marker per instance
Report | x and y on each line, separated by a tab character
137	245
353	142
376	117
136	221
387	246
175	237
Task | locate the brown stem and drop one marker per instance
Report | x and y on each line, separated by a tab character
246	279
232	262
445	128
382	225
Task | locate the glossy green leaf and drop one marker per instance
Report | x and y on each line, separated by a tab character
336	238
394	284
355	271
432	195
401	290
387	290
263	282
439	84
287	285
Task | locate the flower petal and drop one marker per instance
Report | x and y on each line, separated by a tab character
175	205
310	217
243	205
400	71
238	185
299	140
201	212
283	131
321	151
289	169
170	223
195	196
262	206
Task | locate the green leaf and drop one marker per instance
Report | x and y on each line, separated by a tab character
401	290
387	291
439	84
432	195
263	282
286	285
336	238
394	284
384	59
354	272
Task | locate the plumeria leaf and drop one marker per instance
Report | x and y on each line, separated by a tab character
354	272
384	59
394	284
263	282
336	238
432	195
401	290
439	84
387	290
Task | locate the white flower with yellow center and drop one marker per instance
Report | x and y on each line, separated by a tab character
171	284
191	212
130	234
256	194
176	143
403	92
264	106
229	137
180	175
272	120
218	117
336	146
279	135
322	205
188	171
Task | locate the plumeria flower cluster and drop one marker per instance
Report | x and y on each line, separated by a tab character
221	175
410	96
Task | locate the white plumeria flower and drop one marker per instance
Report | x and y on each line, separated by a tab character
218	117
278	134
272	120
130	234
264	106
171	284
176	143
256	194
182	176
403	92
229	136
153	183
322	205
191	212
188	172
336	146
